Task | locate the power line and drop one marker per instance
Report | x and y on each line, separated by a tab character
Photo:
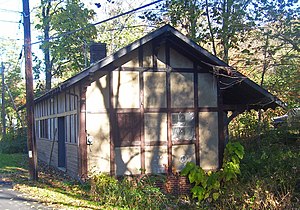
8	10
97	23
9	21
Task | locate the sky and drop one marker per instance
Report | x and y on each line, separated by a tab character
11	27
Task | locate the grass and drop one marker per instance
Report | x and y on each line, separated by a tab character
12	163
269	180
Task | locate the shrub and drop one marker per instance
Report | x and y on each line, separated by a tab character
127	193
209	184
14	142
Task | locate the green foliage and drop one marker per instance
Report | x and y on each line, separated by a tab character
270	175
14	86
14	142
126	193
68	50
211	184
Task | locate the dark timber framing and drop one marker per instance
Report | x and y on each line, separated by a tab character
83	170
169	121
244	95
221	144
142	111
112	121
196	115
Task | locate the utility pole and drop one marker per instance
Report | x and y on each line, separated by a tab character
3	115
31	141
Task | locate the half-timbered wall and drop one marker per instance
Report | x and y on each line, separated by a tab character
63	106
155	112
98	124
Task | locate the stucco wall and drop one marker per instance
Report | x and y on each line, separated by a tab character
99	152
128	160
208	136
127	97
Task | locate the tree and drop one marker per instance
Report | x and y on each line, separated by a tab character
217	23
14	83
122	31
64	55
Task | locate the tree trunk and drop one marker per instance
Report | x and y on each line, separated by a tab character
265	67
210	29
46	49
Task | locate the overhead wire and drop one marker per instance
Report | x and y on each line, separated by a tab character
8	10
97	23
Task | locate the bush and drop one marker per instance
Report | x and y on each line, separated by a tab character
127	193
14	142
269	175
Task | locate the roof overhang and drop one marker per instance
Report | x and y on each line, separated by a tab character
237	90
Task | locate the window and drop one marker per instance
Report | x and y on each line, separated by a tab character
44	133
128	131
183	126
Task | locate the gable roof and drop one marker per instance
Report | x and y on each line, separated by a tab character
237	89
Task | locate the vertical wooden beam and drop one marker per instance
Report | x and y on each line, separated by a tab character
221	145
112	124
142	111
169	120
82	134
196	116
154	54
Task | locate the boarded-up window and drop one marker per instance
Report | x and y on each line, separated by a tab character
44	132
182	90
155	90
128	130
183	126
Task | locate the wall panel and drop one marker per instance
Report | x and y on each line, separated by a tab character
207	90
126	92
156	159
208	136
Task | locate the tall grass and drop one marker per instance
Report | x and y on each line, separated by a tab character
270	175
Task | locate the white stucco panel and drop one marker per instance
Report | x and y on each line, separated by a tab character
178	60
156	159
99	151
97	95
207	90
128	160
181	154
155	90
126	89
208	136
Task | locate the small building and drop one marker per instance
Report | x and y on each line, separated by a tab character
149	108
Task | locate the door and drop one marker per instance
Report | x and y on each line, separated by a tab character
61	143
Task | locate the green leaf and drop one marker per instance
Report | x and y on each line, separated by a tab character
246	51
188	167
216	195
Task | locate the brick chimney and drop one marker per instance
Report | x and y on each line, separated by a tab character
97	52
